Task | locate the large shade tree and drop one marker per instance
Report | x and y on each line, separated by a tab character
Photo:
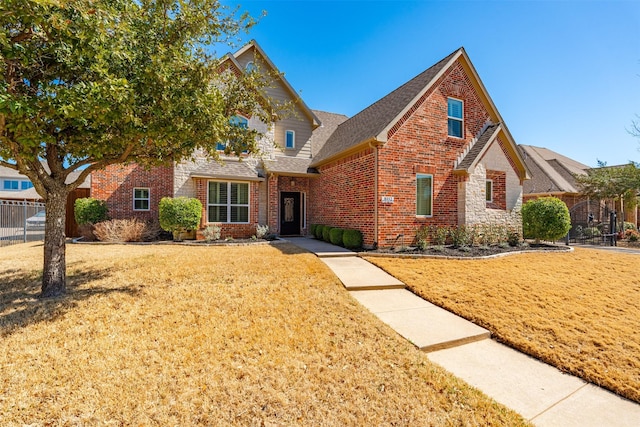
89	83
621	183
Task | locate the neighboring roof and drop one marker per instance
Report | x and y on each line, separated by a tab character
292	92
329	123
476	151
293	166
6	172
228	169
551	172
29	194
370	124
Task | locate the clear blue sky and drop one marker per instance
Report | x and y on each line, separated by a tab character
564	75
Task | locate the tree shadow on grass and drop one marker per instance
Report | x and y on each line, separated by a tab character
21	305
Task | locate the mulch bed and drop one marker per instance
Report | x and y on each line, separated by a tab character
466	251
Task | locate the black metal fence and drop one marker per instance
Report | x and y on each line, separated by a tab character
21	221
592	223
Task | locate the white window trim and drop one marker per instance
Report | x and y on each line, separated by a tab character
461	120
488	199
424	175
293	132
228	204
148	198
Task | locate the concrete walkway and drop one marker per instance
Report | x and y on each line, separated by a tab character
539	392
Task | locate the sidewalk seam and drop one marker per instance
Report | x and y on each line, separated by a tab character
560	401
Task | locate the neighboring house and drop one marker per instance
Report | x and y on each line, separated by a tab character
17	187
553	174
433	152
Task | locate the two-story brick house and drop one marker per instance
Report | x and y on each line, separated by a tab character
434	151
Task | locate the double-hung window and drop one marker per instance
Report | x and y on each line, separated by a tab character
455	117
238	121
489	191
228	202
289	139
141	199
424	195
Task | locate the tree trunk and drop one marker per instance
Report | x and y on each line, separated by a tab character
54	277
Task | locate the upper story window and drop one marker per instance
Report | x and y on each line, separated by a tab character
16	184
489	191
235	121
141	199
424	195
251	66
455	117
290	139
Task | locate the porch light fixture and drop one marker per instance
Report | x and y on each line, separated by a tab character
293	183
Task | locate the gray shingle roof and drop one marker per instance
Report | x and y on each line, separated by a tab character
371	121
329	123
230	168
289	165
479	147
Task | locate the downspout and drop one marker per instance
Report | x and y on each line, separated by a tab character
375	192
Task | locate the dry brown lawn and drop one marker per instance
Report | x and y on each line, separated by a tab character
183	335
579	311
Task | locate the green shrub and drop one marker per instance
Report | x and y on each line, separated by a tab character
179	214
90	211
461	236
352	239
546	218
326	233
318	231
312	229
335	235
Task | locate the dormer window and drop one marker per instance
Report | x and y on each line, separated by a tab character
250	67
290	139
455	117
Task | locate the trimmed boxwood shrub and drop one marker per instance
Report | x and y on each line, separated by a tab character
318	231
335	235
546	218
312	229
88	210
179	214
352	239
325	233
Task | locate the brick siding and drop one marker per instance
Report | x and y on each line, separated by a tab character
228	230
115	185
344	194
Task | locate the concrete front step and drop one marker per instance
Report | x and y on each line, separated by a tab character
426	325
358	274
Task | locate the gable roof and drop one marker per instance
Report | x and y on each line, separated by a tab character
372	125
315	122
551	172
477	149
320	135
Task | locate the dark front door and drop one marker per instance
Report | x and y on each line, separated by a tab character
290	213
